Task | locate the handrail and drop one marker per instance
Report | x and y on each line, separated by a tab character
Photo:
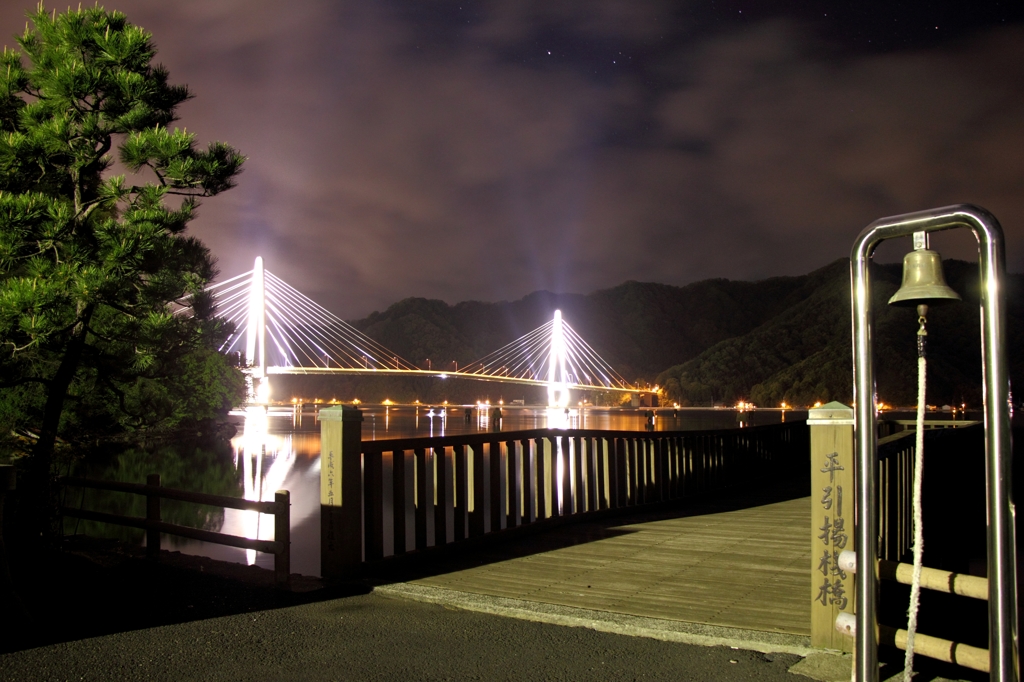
280	546
375	446
172	494
268	546
935	579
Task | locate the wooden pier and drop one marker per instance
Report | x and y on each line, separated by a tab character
735	564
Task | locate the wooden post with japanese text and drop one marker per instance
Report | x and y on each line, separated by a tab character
832	519
341	492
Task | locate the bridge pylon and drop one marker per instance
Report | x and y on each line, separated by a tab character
558	379
258	383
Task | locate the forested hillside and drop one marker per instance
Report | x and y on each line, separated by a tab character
803	354
780	339
640	328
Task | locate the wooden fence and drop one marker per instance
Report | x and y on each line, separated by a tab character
280	546
954	515
420	493
953	496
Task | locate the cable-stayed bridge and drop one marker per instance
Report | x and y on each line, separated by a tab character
279	330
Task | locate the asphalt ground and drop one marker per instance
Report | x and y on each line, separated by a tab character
373	637
102	612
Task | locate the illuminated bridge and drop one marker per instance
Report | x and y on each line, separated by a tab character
279	330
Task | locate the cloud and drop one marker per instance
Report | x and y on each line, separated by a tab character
807	153
397	152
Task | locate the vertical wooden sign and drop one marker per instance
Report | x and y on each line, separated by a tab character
832	519
341	487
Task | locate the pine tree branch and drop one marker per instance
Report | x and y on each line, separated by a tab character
17	349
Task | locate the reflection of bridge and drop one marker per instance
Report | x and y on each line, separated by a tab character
281	331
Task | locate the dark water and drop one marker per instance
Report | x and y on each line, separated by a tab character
404	422
281	451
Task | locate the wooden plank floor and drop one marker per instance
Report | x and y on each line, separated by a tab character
745	568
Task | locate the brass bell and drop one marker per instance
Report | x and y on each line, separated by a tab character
923	281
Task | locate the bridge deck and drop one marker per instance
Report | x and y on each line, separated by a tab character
735	567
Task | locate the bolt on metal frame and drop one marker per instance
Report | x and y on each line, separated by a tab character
1002	571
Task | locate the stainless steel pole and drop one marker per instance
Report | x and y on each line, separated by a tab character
1002	569
865	653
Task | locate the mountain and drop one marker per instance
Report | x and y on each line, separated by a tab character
803	354
779	339
639	328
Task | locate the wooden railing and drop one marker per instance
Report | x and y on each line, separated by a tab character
953	501
895	494
420	493
954	472
280	546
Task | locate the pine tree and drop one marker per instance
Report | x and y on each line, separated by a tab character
94	263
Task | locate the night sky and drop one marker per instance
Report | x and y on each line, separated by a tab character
470	150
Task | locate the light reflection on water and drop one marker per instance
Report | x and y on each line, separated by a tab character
281	451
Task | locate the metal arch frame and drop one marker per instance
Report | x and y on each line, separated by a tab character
1002	571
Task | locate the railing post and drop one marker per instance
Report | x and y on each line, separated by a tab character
540	470
424	459
479	518
635	480
461	466
403	487
373	505
832	514
601	458
675	462
515	479
660	468
153	514
565	457
592	477
341	492
530	494
498	485
620	474
444	505
283	537
579	502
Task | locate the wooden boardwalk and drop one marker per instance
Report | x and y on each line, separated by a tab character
735	567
